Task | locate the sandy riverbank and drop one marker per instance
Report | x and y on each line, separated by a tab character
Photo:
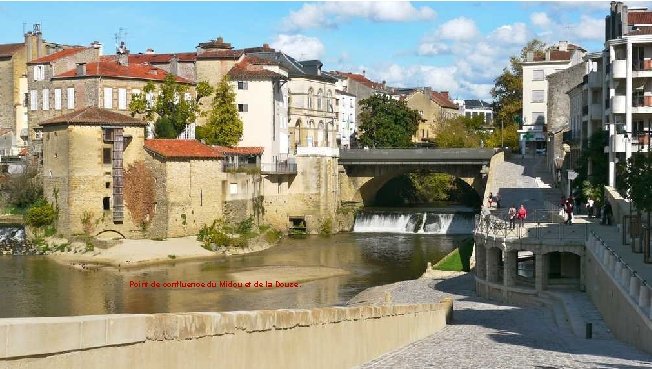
139	253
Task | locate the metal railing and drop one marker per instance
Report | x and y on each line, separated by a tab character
539	224
278	168
241	168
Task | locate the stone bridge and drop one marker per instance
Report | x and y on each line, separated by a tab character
364	172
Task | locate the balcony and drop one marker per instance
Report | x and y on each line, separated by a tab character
249	168
318	151
585	110
596	111
595	80
278	168
642	104
618	104
619	68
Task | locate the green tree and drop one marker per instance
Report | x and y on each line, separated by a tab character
592	185
459	132
507	136
638	179
385	122
169	109
508	87
224	126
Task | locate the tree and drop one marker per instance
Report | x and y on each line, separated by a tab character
459	132
592	185
385	122
170	109
508	88
507	137
224	126
638	179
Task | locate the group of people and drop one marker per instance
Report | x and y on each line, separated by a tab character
493	200
514	215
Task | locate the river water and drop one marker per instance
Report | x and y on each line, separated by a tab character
36	286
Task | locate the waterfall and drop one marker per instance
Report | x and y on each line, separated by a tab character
12	240
411	222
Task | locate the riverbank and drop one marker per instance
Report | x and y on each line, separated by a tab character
141	253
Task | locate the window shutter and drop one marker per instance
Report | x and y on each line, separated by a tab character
122	98
57	99
46	99
108	98
33	97
71	97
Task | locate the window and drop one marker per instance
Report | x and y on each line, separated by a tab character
537	75
538	118
122	98
71	98
106	155
108	98
243	108
106	203
57	99
46	99
233	188
243	85
150	99
39	72
310	93
329	104
107	185
319	98
33	100
537	96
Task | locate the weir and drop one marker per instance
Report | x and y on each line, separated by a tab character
426	222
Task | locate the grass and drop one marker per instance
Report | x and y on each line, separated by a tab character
459	259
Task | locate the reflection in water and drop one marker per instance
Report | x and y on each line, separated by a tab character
36	286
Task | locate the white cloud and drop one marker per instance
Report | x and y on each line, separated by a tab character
540	19
300	47
590	28
330	14
458	29
516	33
433	48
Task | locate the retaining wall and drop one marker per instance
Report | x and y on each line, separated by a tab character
337	337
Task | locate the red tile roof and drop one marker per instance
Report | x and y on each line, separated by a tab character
251	68
555	55
641	31
111	68
220	54
181	149
161	58
639	18
361	79
94	116
10	49
225	150
58	55
442	99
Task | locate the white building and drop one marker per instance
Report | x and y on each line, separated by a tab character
535	89
346	116
262	100
473	108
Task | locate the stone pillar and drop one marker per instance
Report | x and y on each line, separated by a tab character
541	271
644	298
480	261
509	270
618	269
634	286
492	264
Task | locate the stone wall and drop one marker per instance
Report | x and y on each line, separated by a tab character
619	205
341	337
7	114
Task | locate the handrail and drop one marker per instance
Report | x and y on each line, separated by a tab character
541	221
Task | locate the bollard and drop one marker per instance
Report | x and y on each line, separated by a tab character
589	331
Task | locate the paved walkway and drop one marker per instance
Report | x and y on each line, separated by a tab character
485	334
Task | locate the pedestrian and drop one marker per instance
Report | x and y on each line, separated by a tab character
606	213
521	215
497	201
569	211
589	207
485	215
490	198
511	213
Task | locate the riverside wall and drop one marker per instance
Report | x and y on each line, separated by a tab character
334	337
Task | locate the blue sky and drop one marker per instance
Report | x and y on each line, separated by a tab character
455	46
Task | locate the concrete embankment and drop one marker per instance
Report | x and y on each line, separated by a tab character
338	337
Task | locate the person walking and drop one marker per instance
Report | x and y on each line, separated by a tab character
521	214
589	207
490	199
569	211
497	201
511	213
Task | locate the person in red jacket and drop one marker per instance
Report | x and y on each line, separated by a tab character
521	214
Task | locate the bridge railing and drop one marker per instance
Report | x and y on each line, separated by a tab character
539	224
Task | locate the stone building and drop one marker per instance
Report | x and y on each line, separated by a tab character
188	190
85	153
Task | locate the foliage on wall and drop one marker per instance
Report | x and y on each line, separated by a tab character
139	193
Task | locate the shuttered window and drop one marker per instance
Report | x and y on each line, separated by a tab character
33	100
57	99
108	98
122	98
537	96
71	98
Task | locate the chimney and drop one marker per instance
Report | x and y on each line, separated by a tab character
98	46
529	56
563	46
81	69
266	47
123	54
149	51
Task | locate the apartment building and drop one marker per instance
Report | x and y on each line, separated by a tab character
475	108
536	68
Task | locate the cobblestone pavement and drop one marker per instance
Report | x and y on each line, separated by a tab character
485	334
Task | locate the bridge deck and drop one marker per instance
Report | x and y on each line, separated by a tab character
416	156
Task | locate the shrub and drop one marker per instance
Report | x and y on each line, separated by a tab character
24	190
41	214
245	226
326	227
